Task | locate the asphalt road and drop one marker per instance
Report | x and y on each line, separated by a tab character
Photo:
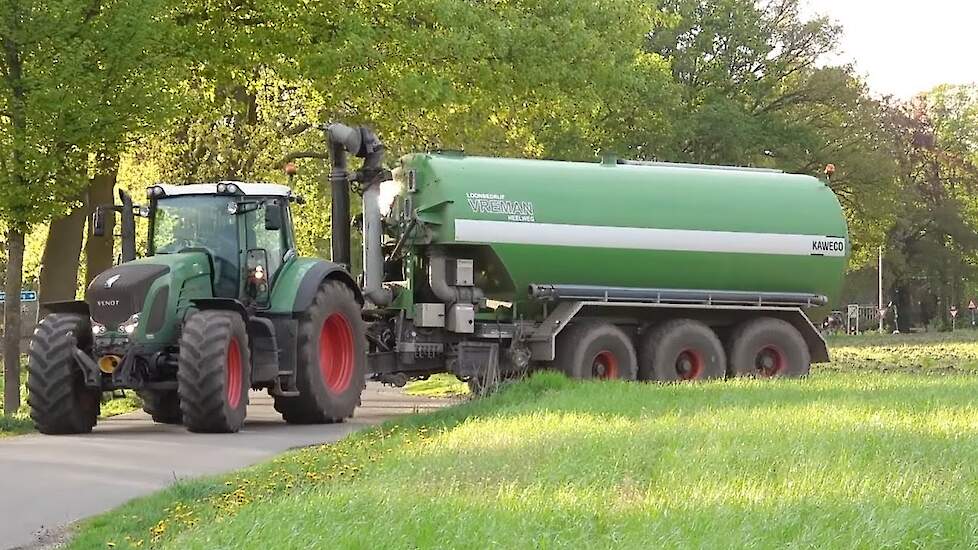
47	482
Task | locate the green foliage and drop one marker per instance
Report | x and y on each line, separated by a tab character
933	242
78	77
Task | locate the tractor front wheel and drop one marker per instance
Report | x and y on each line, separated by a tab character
332	359
59	400
214	372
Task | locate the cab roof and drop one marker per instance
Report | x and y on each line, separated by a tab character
253	189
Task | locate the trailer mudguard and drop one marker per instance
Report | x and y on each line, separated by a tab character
296	285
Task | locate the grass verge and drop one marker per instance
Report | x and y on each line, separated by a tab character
438	385
859	459
921	353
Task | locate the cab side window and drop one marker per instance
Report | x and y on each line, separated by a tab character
274	242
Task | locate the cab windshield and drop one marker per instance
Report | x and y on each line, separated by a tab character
199	222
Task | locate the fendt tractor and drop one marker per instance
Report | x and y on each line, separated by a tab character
486	268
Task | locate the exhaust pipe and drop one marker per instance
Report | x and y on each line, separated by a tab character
365	144
127	228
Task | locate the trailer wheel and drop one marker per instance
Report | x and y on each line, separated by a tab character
163	406
332	359
768	348
58	398
214	372
681	350
596	350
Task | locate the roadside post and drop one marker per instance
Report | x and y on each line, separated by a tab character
852	319
972	306
954	316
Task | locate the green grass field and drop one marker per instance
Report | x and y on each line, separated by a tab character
853	456
924	353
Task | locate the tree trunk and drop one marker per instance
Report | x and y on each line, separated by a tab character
11	321
62	254
99	254
904	304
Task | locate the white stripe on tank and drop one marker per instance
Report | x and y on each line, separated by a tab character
641	238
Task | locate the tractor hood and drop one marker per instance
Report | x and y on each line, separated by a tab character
121	291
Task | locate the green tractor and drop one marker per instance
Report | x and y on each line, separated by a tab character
219	304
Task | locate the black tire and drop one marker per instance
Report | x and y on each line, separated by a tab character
330	378
214	372
768	348
59	401
596	350
163	406
681	350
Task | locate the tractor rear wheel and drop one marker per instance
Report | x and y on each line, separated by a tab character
59	400
681	350
331	360
163	406
768	348
596	350
214	372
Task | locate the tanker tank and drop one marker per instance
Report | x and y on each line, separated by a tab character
610	224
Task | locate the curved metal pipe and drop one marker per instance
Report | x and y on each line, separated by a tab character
438	282
373	252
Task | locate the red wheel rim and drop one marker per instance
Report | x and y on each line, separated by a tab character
605	366
336	353
770	361
689	364
234	373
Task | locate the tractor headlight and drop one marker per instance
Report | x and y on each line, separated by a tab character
130	325
98	329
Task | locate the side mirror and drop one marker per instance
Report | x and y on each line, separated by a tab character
98	222
273	215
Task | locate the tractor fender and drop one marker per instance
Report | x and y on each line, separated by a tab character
75	306
296	287
224	304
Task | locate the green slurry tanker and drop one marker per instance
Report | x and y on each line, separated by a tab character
485	268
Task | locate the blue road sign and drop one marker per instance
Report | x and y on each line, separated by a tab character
25	296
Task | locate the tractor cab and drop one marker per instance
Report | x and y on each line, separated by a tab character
244	229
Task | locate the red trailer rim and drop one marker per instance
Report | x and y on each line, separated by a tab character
233	381
770	361
689	364
336	353
605	366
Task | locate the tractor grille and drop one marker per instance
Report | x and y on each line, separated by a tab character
111	304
